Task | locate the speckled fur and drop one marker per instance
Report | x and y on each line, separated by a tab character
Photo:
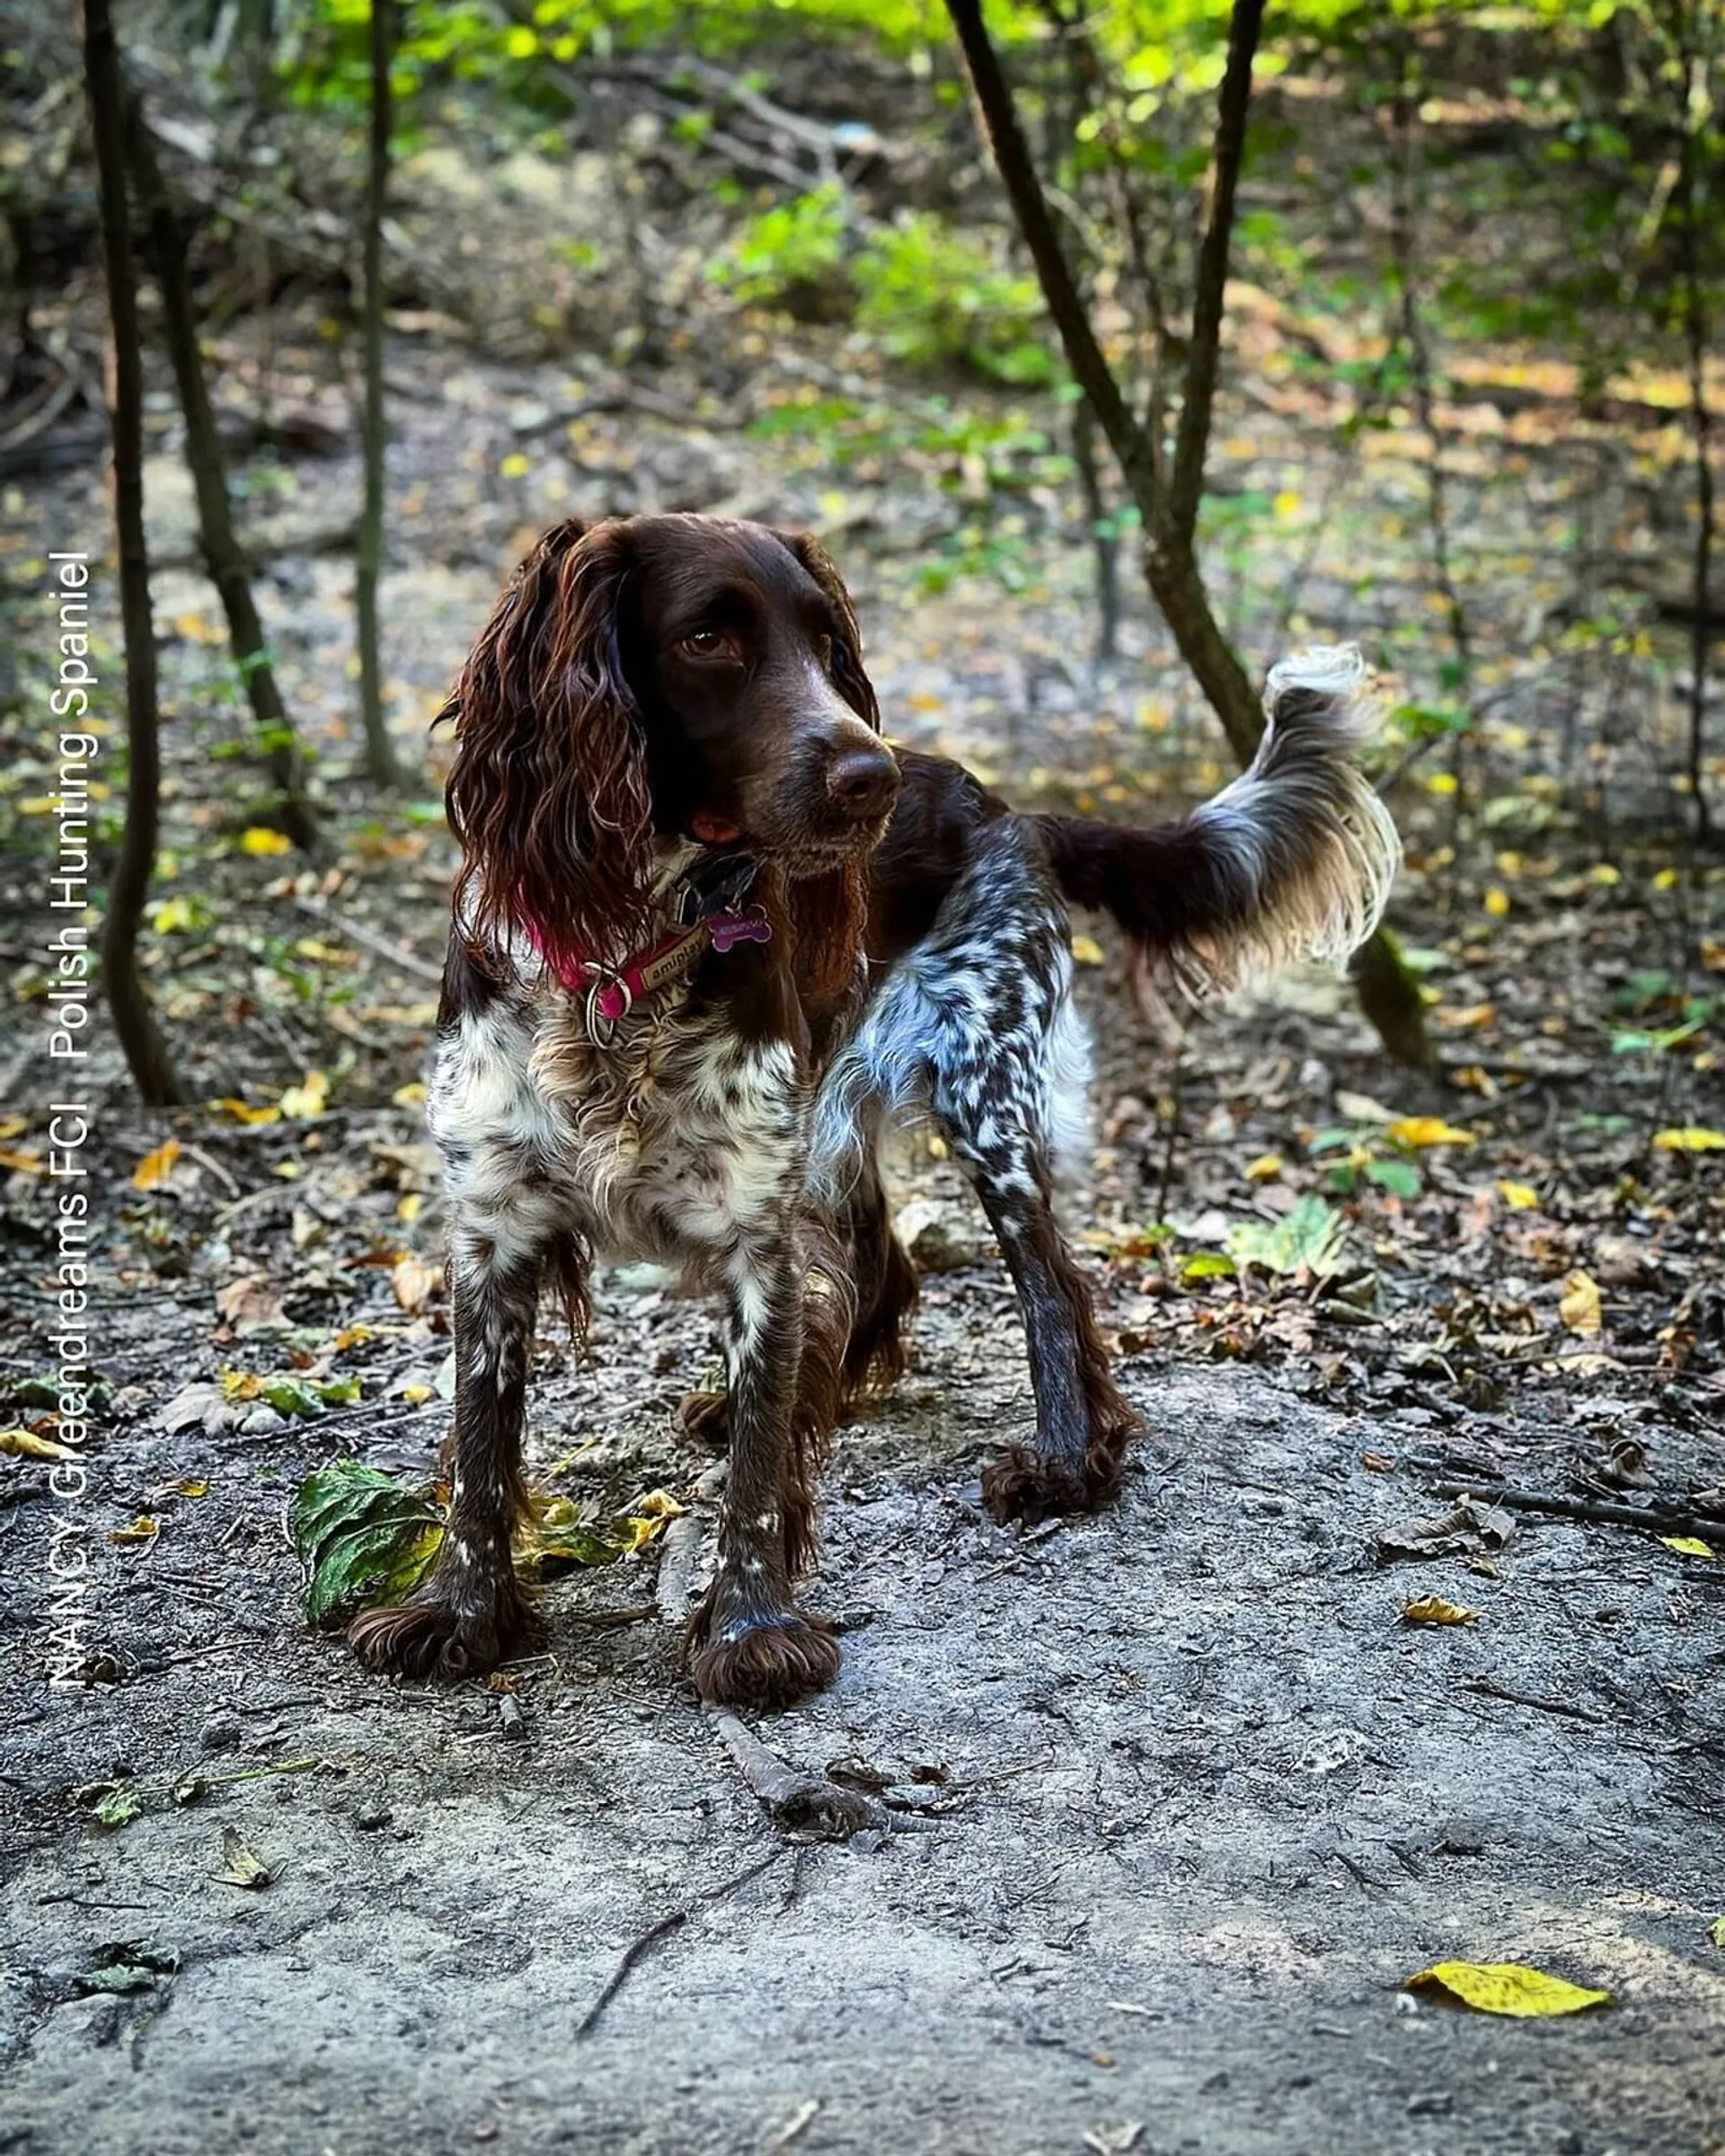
919	966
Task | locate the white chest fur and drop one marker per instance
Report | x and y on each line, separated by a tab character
677	1142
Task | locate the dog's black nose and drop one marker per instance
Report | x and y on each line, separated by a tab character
863	782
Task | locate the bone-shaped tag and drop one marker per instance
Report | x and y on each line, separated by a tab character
750	927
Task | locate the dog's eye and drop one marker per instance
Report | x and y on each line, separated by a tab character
709	643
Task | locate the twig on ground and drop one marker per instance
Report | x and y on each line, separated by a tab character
806	1803
1662	1518
1489	1689
655	1933
680	1550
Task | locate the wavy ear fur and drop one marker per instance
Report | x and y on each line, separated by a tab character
548	792
848	677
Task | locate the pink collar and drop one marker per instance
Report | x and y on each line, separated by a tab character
612	992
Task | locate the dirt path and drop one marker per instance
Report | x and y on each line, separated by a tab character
1194	1802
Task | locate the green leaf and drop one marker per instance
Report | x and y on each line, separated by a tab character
113	1802
1309	1238
1207	1265
363	1536
1402	1177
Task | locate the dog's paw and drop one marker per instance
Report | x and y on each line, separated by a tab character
1023	1485
763	1662
428	1635
705	1417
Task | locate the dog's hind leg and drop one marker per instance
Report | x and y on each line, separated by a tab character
1009	1069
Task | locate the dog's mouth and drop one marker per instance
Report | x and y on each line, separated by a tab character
802	850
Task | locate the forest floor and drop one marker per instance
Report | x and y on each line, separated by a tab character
1186	1798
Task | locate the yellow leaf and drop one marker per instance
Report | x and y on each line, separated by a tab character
1287	503
1687	1545
1433	1609
410	1096
1497	902
154	1169
1428	1130
416	1395
1716	1932
260	839
1603	873
516	465
172	914
1506	1987
241	1384
1665	879
22	1159
1690	1140
1580	1308
143	1529
241	1113
14	1126
307	1099
1265	1167
189	1485
659	1505
1442	782
1522	1197
409	1209
25	1444
1087	950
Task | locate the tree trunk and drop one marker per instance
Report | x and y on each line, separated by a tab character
222	555
381	765
146	1052
1389	995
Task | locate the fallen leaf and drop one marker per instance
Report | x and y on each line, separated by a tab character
1310	1236
1360	1108
1433	1609
240	1866
1688	1545
261	840
252	1305
1522	1197
154	1169
306	1101
415	1283
1421	1131
1581	1308
1716	1932
1690	1140
1265	1167
113	1803
1506	1987
25	1444
1088	951
1470	1526
241	1113
145	1528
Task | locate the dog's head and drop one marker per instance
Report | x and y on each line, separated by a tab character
653	678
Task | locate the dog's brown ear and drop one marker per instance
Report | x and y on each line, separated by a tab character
848	677
548	790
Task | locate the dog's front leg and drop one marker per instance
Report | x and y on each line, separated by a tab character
749	1644
473	1612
